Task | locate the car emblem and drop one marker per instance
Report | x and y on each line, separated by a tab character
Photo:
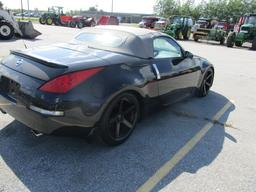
19	62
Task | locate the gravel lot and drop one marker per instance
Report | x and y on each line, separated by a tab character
222	160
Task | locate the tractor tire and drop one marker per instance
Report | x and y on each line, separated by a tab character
42	21
49	21
238	44
187	35
6	31
231	39
195	38
254	44
222	41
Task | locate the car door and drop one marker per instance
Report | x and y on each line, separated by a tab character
177	74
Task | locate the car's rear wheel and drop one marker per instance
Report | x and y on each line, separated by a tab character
6	31
206	83
119	119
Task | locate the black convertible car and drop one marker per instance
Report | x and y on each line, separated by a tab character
100	82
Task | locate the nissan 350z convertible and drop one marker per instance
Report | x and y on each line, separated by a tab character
101	81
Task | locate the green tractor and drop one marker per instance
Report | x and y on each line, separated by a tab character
210	30
244	31
52	16
179	27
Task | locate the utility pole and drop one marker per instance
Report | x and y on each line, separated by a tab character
112	6
28	9
21	9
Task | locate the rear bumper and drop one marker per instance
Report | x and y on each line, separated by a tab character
46	123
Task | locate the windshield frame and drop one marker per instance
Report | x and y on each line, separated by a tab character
250	20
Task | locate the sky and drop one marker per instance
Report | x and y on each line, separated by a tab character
127	6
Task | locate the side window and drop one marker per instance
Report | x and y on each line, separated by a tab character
190	22
165	48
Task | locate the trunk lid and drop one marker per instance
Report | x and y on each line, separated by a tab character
47	62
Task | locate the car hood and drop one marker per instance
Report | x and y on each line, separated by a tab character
248	25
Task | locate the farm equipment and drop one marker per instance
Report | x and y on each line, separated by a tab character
82	21
52	16
10	27
210	30
148	22
179	27
108	20
245	31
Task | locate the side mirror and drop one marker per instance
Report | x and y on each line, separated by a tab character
188	54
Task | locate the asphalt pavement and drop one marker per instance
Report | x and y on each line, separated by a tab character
201	144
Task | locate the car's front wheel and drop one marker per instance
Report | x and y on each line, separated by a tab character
206	83
119	119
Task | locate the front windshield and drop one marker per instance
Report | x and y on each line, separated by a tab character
176	20
251	20
201	22
99	39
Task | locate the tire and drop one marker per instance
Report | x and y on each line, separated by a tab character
222	40
119	119
254	44
206	83
49	21
231	39
80	25
238	44
42	21
72	24
93	24
186	35
195	38
6	31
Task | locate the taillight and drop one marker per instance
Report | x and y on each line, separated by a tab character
66	82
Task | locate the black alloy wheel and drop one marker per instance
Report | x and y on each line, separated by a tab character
119	120
206	83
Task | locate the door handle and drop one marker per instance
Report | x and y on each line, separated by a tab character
158	76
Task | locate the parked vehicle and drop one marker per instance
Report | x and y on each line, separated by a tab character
148	22
52	16
82	21
245	31
179	27
161	24
212	31
108	20
202	23
9	27
101	82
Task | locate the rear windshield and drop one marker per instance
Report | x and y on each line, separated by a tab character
102	39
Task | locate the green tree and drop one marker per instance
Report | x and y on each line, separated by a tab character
167	8
220	9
